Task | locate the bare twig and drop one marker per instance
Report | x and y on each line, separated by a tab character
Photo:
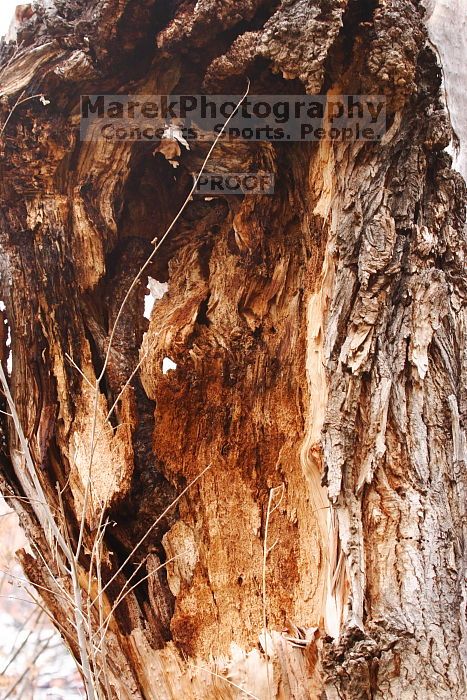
56	538
226	680
273	493
157	245
28	668
19	102
155	523
48	522
17	651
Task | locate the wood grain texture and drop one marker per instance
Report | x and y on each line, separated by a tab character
318	336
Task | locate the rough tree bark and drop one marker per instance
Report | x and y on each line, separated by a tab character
319	337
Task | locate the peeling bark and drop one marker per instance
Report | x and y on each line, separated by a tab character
319	342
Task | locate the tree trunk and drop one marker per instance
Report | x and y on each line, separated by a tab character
319	341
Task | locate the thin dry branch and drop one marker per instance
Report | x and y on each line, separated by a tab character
273	493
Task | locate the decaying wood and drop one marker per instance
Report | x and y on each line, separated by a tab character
319	342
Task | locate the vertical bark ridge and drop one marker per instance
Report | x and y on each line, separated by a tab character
318	336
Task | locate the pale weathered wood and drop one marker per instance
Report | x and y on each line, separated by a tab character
319	342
